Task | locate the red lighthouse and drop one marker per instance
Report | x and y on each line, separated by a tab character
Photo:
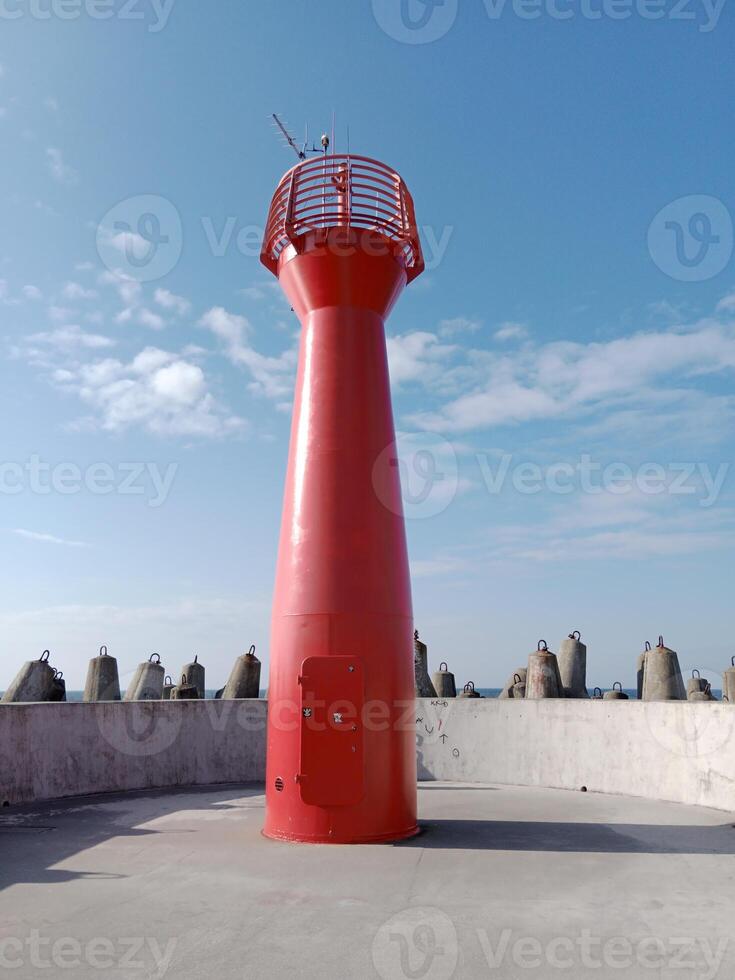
342	239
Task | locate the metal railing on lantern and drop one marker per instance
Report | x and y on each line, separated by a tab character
342	191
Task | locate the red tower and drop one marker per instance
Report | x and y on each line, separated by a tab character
342	239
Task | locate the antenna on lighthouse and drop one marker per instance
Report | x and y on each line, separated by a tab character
290	141
303	152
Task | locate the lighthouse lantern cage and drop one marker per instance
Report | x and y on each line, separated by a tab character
338	191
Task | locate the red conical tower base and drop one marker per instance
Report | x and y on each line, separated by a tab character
341	762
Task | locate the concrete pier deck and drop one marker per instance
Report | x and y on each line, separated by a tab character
503	882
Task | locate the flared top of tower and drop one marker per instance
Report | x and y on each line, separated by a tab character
353	195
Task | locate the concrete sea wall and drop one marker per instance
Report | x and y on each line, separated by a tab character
51	751
677	751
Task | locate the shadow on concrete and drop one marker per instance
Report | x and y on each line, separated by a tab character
585	838
36	837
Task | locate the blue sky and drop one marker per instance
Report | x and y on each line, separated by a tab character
573	181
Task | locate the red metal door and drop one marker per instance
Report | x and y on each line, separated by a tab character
332	757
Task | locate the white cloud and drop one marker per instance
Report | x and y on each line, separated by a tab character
150	319
130	292
73	290
416	356
48	539
32	292
128	289
510	331
612	527
590	527
667	310
253	292
570	378
170	301
61	172
430	567
458	325
69	337
84	266
192	610
130	243
727	304
59	313
272	376
46	208
179	383
4	295
158	391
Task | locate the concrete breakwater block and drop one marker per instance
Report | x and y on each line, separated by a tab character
705	695
662	679
728	683
33	682
103	679
468	691
185	691
195	674
519	685
444	682
58	687
147	682
640	670
244	681
424	685
516	680
696	684
543	679
573	666
616	694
